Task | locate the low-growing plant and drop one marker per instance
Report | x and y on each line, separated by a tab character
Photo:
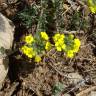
57	89
36	47
29	15
68	44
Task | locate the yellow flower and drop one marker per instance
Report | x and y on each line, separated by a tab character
59	41
76	45
56	37
28	51
62	36
70	54
29	39
24	49
63	46
48	46
57	44
75	48
37	58
59	48
60	45
93	9
44	36
77	42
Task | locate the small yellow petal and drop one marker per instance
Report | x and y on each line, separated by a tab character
24	49
56	37
77	42
29	52
57	44
75	48
70	54
29	39
58	48
37	58
92	9
63	46
44	35
48	46
62	36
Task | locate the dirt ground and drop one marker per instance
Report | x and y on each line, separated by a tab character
56	75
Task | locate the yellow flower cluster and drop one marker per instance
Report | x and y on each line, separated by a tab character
67	44
59	41
92	5
44	36
33	47
76	44
29	52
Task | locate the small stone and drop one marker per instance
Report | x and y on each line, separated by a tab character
74	77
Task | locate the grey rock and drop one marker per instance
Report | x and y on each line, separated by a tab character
6	40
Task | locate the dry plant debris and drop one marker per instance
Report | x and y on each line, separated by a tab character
42	25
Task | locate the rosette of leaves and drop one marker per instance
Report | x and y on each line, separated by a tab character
57	89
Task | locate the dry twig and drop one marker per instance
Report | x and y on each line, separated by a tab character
12	89
86	91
